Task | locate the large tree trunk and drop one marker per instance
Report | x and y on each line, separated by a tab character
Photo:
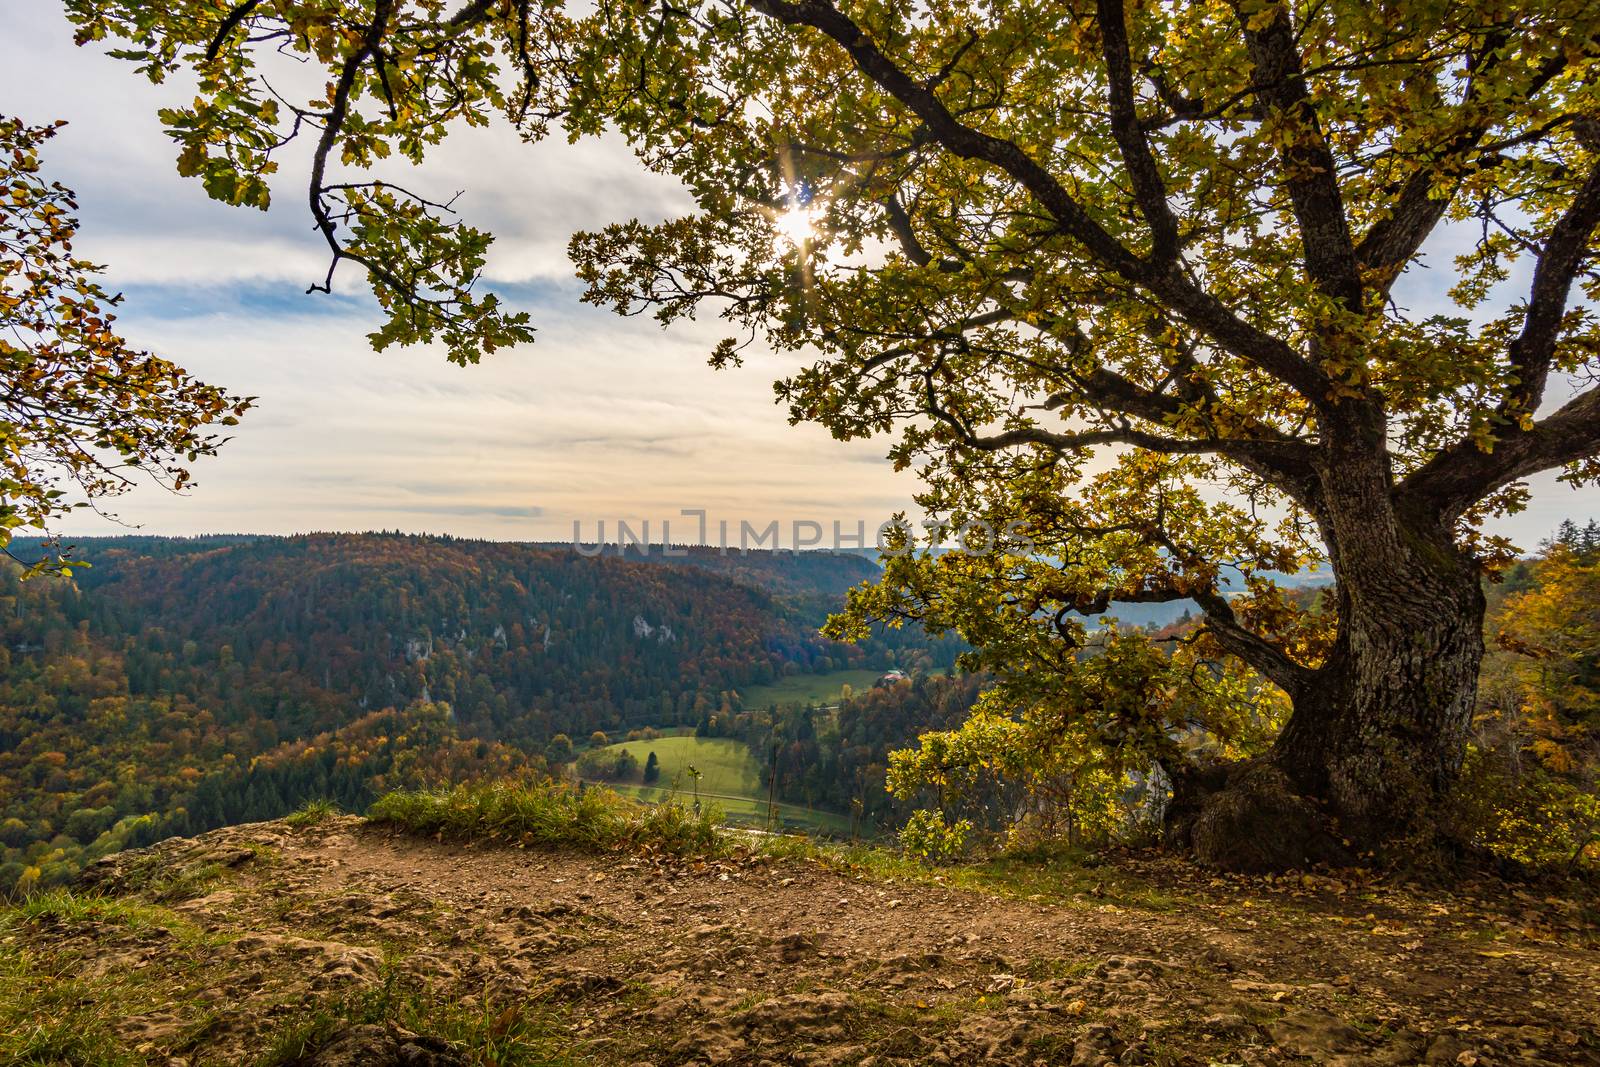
1378	736
1378	733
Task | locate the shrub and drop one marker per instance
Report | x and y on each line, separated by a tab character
1528	815
559	749
929	838
551	814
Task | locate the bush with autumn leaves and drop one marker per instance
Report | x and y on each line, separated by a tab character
1531	793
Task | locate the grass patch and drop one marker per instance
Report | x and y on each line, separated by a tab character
50	1018
746	811
725	765
312	813
50	1015
61	905
807	689
552	815
729	776
508	1034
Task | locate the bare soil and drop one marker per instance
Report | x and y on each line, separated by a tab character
755	960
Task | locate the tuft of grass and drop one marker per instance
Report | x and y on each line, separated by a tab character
495	1034
194	880
48	1016
312	813
552	815
65	906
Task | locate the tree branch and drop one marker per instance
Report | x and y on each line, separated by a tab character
1284	462
1460	475
1149	190
1463	474
915	250
229	24
1250	646
1534	348
338	109
1309	170
1394	240
1164	279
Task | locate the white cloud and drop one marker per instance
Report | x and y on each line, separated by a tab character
601	419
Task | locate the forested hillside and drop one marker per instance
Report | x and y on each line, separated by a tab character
180	684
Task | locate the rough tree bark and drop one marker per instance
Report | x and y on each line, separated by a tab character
1376	738
1378	731
1381	730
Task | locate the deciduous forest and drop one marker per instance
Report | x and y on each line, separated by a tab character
178	685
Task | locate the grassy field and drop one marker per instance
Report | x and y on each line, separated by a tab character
807	688
729	777
725	765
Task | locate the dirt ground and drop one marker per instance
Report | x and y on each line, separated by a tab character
755	960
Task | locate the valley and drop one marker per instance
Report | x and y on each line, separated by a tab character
182	684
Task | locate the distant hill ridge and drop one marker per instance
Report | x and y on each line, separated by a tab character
152	684
379	608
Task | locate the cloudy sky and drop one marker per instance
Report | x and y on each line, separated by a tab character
602	418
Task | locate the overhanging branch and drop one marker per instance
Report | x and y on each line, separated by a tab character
1250	646
1165	279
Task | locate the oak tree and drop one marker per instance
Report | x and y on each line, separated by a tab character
1136	277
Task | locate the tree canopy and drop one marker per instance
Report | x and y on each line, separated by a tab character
1130	277
1028	234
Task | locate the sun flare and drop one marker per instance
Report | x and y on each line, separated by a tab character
796	226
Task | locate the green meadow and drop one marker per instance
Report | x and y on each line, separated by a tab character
729	778
807	689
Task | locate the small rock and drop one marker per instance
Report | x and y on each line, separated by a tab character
1227	1024
796	946
1316	1035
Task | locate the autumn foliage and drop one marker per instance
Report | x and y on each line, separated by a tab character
83	414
